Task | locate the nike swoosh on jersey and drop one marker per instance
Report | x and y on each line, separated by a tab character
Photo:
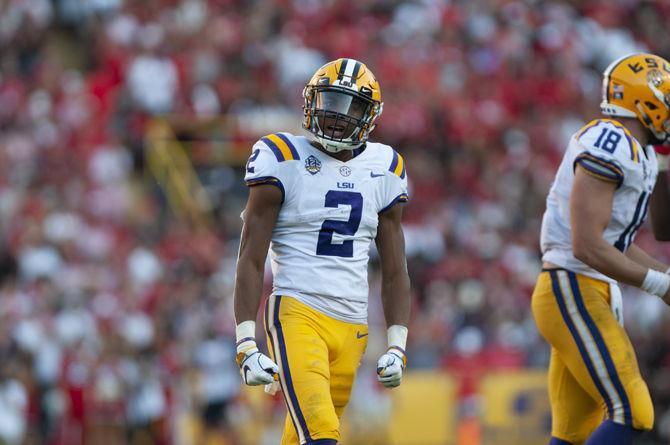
359	335
376	175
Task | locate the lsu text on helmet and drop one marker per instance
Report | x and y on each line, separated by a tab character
638	86
342	102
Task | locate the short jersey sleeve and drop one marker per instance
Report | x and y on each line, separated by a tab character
607	150
395	187
268	162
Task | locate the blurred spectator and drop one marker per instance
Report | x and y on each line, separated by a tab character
13	408
218	385
146	403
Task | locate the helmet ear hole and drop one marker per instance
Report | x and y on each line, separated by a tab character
651	105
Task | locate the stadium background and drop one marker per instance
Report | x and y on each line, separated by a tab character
124	128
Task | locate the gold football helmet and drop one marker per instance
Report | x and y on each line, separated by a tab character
342	102
638	86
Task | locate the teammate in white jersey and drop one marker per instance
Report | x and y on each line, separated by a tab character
596	205
319	202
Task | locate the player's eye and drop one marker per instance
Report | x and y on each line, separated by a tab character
358	108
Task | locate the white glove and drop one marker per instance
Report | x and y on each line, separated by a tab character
390	367
256	368
391	364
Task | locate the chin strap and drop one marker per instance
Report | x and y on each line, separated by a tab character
332	149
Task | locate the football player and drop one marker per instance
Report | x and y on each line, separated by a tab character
597	203
318	202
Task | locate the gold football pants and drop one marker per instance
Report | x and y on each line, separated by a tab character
593	371
317	357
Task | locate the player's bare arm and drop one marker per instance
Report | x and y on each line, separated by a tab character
260	216
638	255
590	213
390	243
395	294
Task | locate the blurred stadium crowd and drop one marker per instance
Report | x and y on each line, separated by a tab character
115	317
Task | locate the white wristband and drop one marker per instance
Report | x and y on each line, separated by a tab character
656	283
397	336
663	162
245	335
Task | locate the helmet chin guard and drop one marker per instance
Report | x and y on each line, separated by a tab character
332	146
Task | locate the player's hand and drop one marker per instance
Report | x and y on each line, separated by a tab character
256	368
390	367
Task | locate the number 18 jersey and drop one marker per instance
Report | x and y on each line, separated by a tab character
328	218
605	149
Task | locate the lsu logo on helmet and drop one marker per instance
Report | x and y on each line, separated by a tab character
638	86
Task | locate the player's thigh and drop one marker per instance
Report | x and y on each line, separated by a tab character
303	359
351	341
616	353
290	434
574	412
580	325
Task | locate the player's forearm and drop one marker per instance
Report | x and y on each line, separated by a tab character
248	289
259	218
395	279
396	298
641	257
659	208
606	259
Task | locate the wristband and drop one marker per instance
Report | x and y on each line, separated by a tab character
245	335
656	283
397	336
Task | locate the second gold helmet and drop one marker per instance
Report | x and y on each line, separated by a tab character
638	86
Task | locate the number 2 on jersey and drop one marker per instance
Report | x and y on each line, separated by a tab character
610	142
252	158
325	244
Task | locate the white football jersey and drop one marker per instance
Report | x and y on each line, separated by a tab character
320	245
607	150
